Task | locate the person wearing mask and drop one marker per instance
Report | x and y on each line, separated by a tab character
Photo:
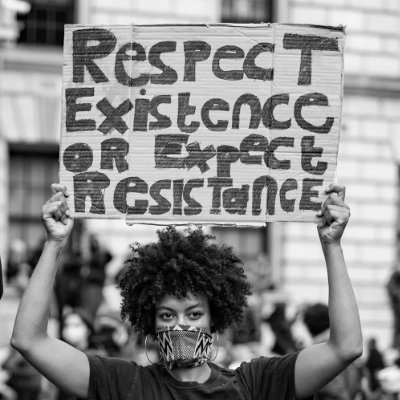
77	328
1	280
182	290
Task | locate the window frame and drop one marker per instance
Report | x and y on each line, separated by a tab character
39	151
31	24
268	16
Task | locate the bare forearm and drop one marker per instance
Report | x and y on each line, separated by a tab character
33	311
345	329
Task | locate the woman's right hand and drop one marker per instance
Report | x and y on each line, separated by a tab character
56	215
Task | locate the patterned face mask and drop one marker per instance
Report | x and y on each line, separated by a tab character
184	346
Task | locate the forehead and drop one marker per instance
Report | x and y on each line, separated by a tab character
175	303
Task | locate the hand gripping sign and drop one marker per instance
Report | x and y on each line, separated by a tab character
221	124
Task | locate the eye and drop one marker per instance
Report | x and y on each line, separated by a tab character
195	315
166	316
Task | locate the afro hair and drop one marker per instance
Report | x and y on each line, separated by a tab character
180	263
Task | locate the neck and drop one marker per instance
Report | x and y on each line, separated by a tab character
198	374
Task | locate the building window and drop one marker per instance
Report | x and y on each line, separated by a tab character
251	245
31	174
247	11
44	24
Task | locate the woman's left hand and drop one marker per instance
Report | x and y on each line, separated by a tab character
334	214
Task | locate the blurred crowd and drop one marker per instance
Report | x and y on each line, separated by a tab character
82	316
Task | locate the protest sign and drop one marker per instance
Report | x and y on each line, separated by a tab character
221	124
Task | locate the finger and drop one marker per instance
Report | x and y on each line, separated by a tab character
339	216
63	211
327	201
335	200
58	209
57	187
322	223
59	197
338	208
50	210
340	190
64	204
56	197
331	209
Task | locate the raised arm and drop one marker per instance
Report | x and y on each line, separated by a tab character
320	363
59	362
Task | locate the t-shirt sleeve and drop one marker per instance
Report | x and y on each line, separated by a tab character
110	378
268	377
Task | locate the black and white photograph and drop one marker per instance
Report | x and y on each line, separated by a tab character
200	199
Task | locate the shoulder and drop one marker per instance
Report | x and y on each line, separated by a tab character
114	377
98	362
268	377
115	369
224	371
272	365
261	367
119	366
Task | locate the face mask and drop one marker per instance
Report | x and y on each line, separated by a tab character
184	346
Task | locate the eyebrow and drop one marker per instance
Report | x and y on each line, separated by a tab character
187	309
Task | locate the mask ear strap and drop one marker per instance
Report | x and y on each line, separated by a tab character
145	350
217	345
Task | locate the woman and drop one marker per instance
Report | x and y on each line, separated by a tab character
172	292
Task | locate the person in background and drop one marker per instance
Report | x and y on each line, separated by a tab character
1	280
346	385
393	290
182	290
24	379
373	364
77	330
111	335
94	276
18	270
281	327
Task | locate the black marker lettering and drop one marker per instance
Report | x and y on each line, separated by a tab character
117	150
78	157
92	185
130	185
83	55
307	44
72	124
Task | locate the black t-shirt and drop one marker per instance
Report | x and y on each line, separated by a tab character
262	378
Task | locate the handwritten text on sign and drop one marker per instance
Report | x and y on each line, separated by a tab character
202	124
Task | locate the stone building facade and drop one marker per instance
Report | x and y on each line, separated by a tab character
367	163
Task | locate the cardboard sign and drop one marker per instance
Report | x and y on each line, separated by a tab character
221	124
